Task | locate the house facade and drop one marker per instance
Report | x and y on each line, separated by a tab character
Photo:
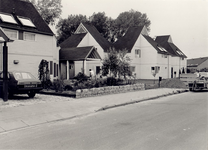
150	58
86	35
33	39
197	64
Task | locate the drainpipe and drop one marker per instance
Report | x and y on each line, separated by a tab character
168	66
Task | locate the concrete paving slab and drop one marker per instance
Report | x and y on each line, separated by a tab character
35	120
53	117
12	124
17	117
2	130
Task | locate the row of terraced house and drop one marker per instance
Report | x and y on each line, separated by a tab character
84	50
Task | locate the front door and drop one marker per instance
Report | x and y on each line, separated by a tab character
71	70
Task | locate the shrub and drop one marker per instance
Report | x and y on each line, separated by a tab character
58	85
81	77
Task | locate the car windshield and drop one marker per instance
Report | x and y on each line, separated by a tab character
23	75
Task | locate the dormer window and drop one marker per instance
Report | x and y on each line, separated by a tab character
26	21
7	18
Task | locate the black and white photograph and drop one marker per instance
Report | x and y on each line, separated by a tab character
104	74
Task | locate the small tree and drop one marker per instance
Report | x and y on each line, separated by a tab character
44	76
124	64
116	63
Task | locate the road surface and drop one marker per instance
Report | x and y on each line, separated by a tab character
177	122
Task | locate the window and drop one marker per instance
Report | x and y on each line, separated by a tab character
26	21
98	69
1	75
7	18
162	49
11	33
29	36
54	74
57	69
51	67
164	56
132	68
21	37
138	53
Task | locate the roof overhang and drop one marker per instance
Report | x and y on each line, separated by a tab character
3	37
88	53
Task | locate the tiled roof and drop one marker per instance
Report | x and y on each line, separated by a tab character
128	40
162	39
23	9
169	46
78	53
105	44
157	46
196	61
73	41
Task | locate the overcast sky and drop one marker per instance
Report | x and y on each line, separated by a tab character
185	20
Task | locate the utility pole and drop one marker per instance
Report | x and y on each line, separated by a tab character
5	72
4	39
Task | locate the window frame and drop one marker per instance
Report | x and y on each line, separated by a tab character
138	53
28	33
10	30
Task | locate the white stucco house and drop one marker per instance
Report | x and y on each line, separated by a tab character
150	58
89	46
33	39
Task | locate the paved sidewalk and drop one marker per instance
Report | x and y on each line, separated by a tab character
13	118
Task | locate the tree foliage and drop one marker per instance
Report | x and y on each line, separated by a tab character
44	76
50	10
100	21
130	18
108	27
116	63
66	27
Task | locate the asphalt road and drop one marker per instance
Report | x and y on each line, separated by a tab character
177	122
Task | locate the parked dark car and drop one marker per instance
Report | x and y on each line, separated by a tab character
20	82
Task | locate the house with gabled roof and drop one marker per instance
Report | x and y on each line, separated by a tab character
85	39
149	58
33	39
177	60
197	64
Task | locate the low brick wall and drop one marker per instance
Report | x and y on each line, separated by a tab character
109	90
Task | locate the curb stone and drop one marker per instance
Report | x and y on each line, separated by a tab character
140	100
131	101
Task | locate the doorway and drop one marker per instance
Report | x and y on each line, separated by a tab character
171	72
71	70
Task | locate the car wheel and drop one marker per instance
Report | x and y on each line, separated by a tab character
31	94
